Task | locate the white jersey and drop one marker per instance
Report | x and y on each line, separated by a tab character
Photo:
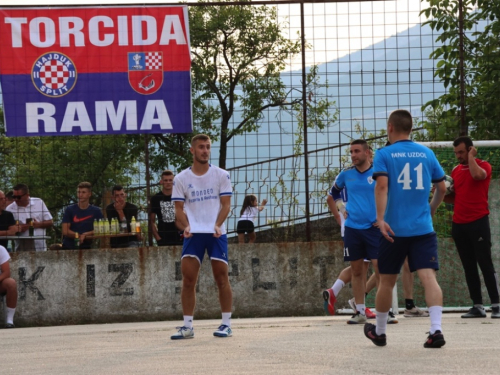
4	256
201	197
249	214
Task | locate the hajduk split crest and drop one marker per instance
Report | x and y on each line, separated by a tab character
54	74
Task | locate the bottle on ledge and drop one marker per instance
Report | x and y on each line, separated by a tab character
96	227
123	225
31	229
132	224
77	240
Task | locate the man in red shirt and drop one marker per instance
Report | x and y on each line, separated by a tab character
471	225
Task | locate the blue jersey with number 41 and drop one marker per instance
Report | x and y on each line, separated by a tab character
411	170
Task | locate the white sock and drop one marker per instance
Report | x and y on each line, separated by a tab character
381	319
226	319
337	287
188	321
361	308
10	315
435	312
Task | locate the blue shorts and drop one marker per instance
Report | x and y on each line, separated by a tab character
361	243
421	251
196	245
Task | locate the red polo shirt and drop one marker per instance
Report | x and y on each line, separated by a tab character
471	196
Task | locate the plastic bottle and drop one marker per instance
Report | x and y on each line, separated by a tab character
123	225
138	227
77	241
105	225
96	227
31	229
132	224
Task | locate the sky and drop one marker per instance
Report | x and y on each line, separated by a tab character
349	26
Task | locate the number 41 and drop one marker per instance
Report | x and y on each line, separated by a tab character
404	177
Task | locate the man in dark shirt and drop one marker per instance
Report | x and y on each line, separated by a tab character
124	212
166	233
7	222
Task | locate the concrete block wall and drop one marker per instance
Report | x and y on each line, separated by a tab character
118	285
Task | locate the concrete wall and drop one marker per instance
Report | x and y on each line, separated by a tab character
114	285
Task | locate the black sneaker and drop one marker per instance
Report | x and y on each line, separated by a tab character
475	312
436	340
495	312
372	335
10	325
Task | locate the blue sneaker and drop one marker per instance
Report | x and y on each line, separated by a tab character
223	331
183	333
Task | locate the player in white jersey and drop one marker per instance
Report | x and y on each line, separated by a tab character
202	196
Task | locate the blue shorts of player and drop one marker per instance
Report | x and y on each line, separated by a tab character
196	245
361	243
421	251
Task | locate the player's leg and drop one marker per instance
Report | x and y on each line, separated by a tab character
483	255
330	295
358	282
463	236
8	288
193	251
218	255
408	280
391	257
423	257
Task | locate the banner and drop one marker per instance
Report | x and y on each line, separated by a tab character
95	70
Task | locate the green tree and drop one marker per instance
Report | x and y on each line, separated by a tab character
238	54
52	167
481	67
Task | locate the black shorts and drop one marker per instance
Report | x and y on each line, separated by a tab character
245	226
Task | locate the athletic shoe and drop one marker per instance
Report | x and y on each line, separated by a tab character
391	319
183	333
415	312
436	340
369	314
223	331
11	325
352	304
357	319
495	312
371	333
329	304
475	312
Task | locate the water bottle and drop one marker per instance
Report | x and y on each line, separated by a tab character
96	227
123	225
77	241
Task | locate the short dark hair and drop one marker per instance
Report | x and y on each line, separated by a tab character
85	185
10	194
463	139
199	137
361	142
22	187
116	188
167	172
401	120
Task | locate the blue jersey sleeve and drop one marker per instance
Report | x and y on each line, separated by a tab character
379	165
437	171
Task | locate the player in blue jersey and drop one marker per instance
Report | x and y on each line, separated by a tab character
361	237
404	172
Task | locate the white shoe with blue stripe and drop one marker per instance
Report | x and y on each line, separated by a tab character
183	333
223	331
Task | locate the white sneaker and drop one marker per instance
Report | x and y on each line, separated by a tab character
391	318
223	331
183	333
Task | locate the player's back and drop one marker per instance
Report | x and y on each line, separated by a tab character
411	169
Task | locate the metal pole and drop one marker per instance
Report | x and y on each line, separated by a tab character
304	118
463	125
148	187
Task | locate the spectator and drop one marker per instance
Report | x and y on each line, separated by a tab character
248	213
8	288
25	207
162	207
79	218
123	211
9	197
7	221
471	225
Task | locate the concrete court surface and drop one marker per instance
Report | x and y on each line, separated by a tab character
297	345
